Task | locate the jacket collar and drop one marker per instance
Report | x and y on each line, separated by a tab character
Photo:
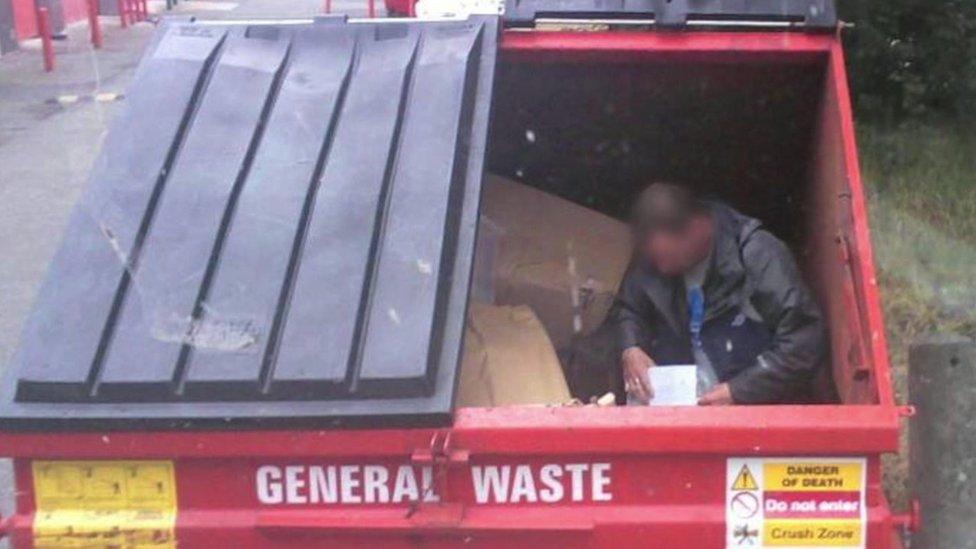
726	273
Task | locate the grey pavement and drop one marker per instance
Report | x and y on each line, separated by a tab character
51	127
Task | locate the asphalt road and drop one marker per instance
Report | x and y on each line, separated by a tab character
51	127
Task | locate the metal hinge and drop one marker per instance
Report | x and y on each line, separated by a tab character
440	452
910	521
441	456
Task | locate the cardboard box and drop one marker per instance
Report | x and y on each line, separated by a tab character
561	259
508	360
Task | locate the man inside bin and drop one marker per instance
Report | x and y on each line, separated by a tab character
710	286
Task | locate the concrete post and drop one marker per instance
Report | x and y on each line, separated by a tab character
942	442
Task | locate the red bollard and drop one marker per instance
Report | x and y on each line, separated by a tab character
372	8
135	10
94	25
411	8
47	46
131	13
328	6
145	9
123	12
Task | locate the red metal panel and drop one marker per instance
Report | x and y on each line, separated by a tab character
629	46
400	7
862	250
25	19
518	430
828	240
735	430
23	520
676	500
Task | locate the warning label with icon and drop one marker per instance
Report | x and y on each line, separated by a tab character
795	502
744	480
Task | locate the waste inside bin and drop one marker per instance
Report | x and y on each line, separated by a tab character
563	260
508	360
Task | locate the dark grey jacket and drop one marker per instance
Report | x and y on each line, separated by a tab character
748	265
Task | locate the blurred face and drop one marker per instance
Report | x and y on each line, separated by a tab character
675	251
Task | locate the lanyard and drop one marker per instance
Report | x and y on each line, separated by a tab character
696	313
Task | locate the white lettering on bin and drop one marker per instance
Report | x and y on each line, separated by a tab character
523	484
380	484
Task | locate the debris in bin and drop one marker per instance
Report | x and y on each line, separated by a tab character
591	364
561	259
608	399
508	360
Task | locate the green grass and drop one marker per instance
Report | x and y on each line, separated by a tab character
921	180
925	169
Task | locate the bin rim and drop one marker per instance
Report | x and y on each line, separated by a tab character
807	15
517	430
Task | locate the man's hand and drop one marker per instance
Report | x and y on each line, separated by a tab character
720	395
636	363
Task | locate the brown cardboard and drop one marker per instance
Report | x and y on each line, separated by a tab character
561	259
508	360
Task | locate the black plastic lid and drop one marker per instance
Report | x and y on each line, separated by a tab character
279	229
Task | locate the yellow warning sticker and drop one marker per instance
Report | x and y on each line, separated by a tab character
814	533
796	502
813	476
104	503
744	480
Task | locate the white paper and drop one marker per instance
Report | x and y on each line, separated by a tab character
674	385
